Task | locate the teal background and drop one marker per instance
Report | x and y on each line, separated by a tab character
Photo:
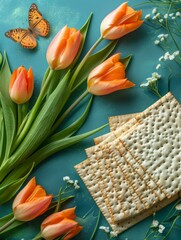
145	58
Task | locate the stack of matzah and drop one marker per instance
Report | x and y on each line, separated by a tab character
135	170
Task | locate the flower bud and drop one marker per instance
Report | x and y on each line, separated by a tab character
108	77
31	202
21	85
63	48
121	21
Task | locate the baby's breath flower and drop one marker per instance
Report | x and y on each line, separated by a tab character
176	53
154	11
144	84
113	234
171	14
158	66
161	20
161	58
156	42
147	16
155	223
105	229
173	18
166	16
76	185
161	228
177	14
178	206
66	178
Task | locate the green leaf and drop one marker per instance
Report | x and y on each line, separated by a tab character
2	136
72	128
6	219
41	125
58	145
93	61
1	58
126	60
9	108
10	124
7	191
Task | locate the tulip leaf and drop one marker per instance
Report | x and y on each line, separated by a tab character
7	191
9	108
6	219
126	60
44	120
73	127
2	136
58	145
1	58
93	61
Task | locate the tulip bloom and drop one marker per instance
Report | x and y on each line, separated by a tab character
63	48
60	223
108	77
31	202
121	21
21	85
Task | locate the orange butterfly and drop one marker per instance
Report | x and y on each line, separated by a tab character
38	26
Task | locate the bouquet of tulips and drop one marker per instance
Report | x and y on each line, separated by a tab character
29	136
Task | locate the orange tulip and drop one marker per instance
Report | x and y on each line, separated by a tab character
31	202
63	48
60	223
121	21
21	85
108	77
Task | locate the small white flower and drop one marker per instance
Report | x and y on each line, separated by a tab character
161	228
161	20
156	42
156	75
155	223
166	16
166	56
173	18
113	234
154	10
76	185
162	39
161	58
157	15
178	206
66	178
154	17
171	57
158	66
144	85
147	16
177	14
171	14
105	229
176	53
160	35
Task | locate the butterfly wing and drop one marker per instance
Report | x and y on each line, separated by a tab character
16	34
37	23
28	41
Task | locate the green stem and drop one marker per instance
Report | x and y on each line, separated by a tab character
84	60
2	228
96	226
34	111
165	237
20	117
60	120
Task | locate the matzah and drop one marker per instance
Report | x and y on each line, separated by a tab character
116	165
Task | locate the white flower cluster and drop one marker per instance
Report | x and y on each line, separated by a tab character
155	224
155	15
161	38
167	57
71	182
150	80
178	207
107	230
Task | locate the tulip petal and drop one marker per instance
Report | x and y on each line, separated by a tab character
30	210
30	82
73	232
53	231
38	192
24	193
58	216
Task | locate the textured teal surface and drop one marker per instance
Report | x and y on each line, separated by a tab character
145	57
